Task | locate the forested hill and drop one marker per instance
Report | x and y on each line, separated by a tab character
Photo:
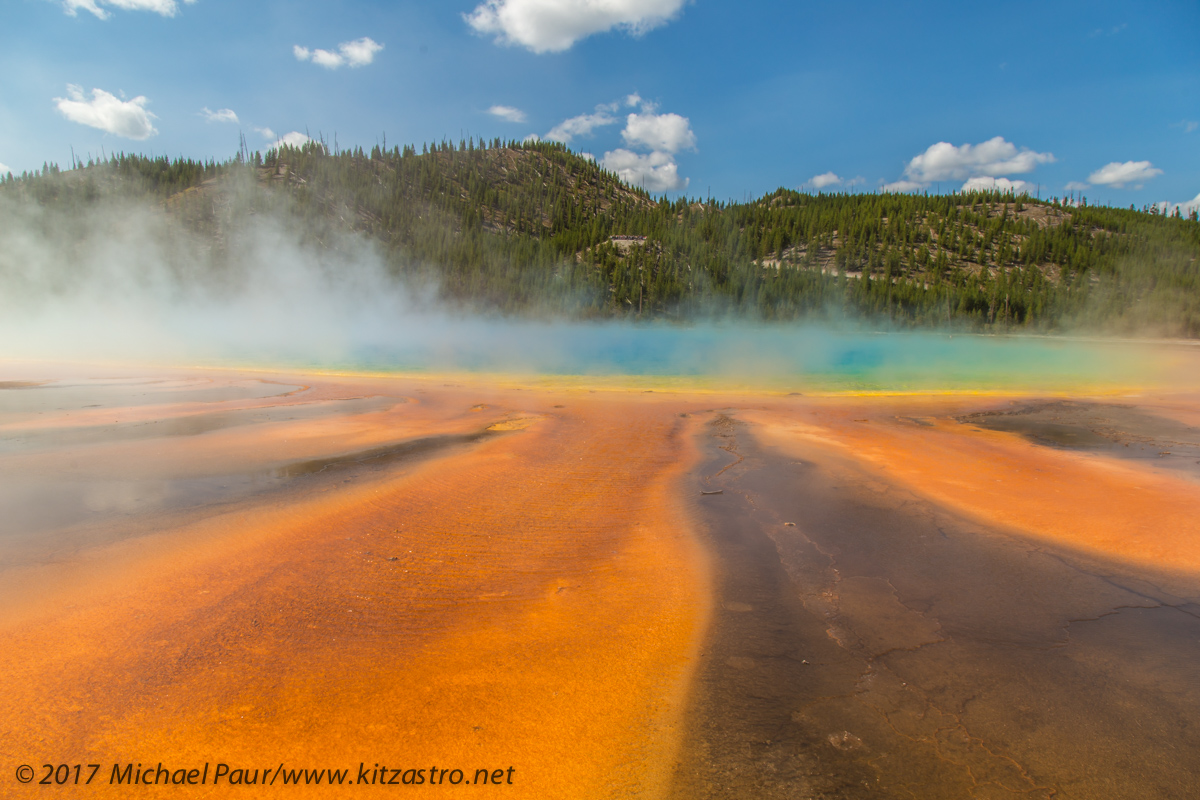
533	228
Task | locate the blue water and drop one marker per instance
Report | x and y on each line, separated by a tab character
772	354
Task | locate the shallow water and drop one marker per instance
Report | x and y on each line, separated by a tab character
78	394
188	424
71	480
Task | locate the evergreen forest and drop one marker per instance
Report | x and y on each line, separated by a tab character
535	229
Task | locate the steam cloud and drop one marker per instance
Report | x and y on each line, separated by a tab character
126	281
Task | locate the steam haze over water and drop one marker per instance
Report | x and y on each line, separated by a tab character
126	284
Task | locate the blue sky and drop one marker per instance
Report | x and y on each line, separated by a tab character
709	96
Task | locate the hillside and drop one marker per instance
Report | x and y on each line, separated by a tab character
534	228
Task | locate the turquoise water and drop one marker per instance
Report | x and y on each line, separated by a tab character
766	354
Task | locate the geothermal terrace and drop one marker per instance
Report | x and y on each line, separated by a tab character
591	590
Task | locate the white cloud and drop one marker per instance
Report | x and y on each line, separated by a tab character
582	125
554	25
357	53
656	172
666	132
1190	126
220	115
127	118
985	183
903	186
507	113
360	52
1119	174
662	134
267	134
944	161
293	139
168	8
1077	186
824	179
4	169
1113	31
1185	209
630	101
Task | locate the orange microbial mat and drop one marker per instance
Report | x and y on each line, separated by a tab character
320	585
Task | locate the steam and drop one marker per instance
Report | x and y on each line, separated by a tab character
128	282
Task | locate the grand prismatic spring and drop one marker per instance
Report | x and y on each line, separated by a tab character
675	564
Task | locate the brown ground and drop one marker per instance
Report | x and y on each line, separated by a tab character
325	571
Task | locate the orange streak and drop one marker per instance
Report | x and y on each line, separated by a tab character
1089	502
